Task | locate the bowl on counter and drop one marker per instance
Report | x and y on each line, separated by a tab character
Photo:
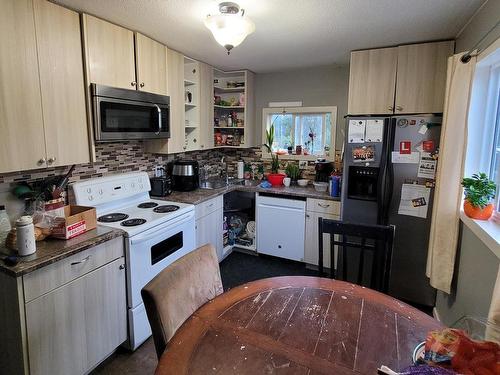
302	182
320	186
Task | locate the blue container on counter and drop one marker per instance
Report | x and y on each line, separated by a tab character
335	186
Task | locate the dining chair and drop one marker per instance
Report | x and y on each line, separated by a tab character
374	252
178	291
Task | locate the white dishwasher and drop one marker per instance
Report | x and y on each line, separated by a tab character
281	226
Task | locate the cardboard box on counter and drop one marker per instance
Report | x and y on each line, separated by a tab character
77	220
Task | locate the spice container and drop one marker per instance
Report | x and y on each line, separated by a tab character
25	232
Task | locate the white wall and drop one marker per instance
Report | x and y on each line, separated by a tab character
314	86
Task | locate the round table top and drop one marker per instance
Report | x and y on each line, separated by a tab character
297	325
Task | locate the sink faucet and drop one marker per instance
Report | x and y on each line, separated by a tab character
224	165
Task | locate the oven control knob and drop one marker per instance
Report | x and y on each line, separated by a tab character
89	190
91	198
101	192
141	186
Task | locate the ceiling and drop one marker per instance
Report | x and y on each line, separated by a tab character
289	33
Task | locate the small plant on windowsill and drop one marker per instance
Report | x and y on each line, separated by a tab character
479	191
293	171
274	177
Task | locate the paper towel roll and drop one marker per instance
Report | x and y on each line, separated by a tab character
241	169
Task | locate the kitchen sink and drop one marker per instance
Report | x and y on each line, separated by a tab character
220	183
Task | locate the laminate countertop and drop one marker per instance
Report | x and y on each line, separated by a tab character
52	250
201	195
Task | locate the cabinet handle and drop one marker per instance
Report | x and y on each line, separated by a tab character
159	118
390	108
41	161
399	108
81	261
308	216
194	140
210	205
122	266
133	83
323	205
142	84
51	160
184	147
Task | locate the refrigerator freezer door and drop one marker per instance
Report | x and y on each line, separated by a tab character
408	281
361	193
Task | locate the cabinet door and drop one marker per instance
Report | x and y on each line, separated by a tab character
421	78
175	83
21	123
76	326
311	241
372	81
62	86
151	63
209	230
109	53
206	106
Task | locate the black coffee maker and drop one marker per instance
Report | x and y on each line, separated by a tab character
323	169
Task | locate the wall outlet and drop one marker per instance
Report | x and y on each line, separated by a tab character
302	164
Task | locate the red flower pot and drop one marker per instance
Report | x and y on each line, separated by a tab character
477	212
276	179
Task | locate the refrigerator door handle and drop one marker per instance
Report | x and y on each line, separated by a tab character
386	175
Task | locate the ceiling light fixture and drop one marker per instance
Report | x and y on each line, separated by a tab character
231	26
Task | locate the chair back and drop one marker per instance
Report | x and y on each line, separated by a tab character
178	291
374	252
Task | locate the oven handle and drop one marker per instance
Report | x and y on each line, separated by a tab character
159	118
147	235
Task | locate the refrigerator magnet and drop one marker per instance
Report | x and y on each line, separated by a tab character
428	146
405	147
427	166
423	129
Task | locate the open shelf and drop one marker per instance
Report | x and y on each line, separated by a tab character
230	127
229	106
228	89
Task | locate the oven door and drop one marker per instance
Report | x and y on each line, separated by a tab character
151	251
121	119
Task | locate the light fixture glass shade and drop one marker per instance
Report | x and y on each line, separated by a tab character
229	30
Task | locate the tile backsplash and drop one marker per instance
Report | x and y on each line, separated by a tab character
122	157
131	156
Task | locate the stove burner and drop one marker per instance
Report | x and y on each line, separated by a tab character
132	222
147	205
111	218
166	208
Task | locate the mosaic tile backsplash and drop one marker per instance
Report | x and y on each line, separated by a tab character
131	156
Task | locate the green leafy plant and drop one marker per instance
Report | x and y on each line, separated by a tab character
479	190
293	171
275	164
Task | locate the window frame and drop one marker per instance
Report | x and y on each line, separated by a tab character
266	123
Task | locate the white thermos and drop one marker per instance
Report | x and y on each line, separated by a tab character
25	233
241	169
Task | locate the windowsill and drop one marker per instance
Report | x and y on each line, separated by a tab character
488	231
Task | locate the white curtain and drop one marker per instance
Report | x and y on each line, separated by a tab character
493	332
448	195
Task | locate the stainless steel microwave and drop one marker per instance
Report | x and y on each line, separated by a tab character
121	114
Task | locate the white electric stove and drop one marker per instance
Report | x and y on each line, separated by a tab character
157	233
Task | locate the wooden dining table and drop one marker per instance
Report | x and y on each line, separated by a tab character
297	325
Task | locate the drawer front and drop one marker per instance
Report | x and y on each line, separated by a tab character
206	208
323	206
55	275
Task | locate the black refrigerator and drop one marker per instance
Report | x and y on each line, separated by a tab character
389	178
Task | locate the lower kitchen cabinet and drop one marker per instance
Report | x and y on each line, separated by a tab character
69	315
209	218
317	208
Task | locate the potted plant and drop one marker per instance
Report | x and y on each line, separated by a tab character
275	178
479	191
293	171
